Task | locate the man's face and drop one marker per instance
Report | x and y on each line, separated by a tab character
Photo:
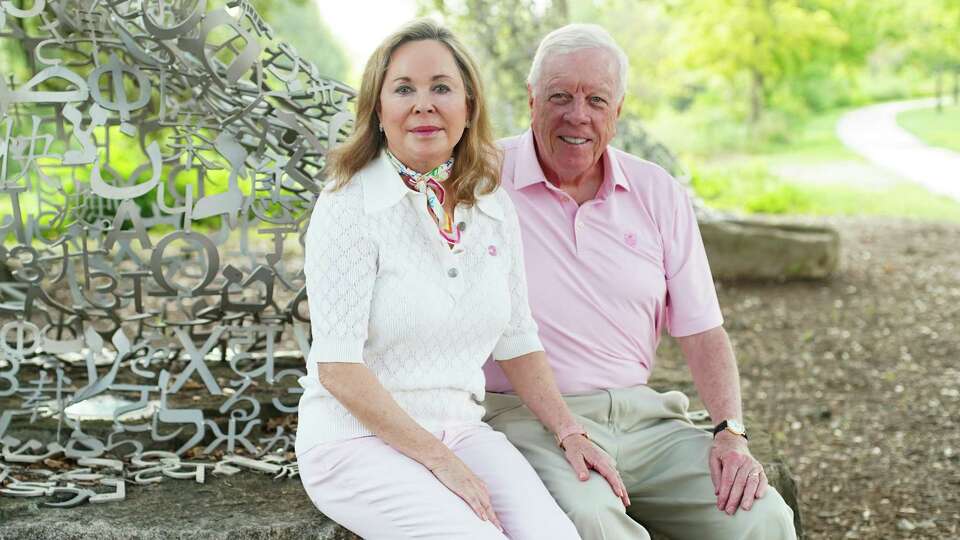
574	111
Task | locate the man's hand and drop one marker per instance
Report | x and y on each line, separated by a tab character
738	478
583	455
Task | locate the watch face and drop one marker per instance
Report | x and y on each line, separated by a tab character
736	427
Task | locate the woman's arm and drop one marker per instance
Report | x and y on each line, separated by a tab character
359	390
533	381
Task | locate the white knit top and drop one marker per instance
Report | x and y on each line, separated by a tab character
385	290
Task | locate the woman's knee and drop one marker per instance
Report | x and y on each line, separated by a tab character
539	517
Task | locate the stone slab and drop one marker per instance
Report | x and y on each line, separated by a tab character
240	507
761	249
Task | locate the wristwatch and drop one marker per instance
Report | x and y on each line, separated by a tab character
574	429
733	426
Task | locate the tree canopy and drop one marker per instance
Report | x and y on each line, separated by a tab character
748	57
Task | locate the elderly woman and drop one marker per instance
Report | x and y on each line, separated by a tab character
414	278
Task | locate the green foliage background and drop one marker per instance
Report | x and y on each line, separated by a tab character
740	87
734	87
751	61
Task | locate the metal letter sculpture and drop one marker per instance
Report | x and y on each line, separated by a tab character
158	162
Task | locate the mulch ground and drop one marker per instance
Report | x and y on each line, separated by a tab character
857	379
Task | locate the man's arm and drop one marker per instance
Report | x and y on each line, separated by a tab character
738	478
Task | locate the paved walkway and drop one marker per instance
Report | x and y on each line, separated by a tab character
873	133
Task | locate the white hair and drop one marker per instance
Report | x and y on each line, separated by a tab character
577	37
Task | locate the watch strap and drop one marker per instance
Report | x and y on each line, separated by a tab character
724	425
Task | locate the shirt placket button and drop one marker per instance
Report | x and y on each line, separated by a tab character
453	272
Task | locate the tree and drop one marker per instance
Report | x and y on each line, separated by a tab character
768	43
648	36
933	41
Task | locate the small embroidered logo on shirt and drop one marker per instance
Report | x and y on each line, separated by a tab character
492	250
630	239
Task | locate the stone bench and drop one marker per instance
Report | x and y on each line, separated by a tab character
239	507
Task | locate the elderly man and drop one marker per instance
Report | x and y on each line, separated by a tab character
613	253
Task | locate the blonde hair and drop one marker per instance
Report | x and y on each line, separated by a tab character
476	167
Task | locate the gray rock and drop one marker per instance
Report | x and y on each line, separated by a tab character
759	249
905	525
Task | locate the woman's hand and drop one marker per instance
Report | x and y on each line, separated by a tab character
454	473
359	390
583	455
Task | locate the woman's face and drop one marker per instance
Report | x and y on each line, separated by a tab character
423	104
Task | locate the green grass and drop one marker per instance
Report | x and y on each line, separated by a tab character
751	188
712	134
935	128
746	180
812	140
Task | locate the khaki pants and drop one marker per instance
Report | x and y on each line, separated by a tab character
661	457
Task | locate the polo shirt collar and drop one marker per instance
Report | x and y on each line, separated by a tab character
613	172
381	186
382	189
489	205
527	170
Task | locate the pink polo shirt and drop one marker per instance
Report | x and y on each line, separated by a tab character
604	278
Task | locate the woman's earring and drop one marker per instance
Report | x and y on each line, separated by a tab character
381	127
467	124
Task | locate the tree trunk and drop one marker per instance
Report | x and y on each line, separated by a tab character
562	9
940	90
956	86
756	95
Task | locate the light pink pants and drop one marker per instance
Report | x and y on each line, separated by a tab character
379	493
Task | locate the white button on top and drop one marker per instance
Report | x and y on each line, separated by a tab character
453	272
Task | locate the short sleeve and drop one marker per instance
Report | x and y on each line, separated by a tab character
340	262
692	305
520	337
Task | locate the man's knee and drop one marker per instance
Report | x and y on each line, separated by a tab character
770	518
775	520
589	507
595	511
